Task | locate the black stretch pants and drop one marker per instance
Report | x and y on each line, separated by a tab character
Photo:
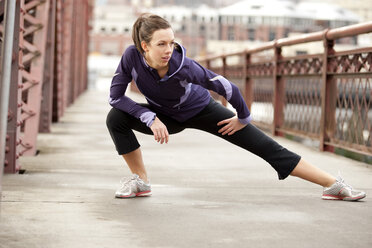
121	124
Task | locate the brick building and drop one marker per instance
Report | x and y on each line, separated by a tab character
248	20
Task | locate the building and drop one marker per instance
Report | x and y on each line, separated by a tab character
192	27
244	21
274	19
112	29
361	8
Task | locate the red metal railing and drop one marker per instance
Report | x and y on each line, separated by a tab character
49	70
319	96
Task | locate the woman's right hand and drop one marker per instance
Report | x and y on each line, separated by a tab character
160	131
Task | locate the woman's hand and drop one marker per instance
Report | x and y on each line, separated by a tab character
232	125
160	131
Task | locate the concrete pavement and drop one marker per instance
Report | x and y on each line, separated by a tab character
206	193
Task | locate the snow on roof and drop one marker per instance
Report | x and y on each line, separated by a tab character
288	8
260	8
177	12
326	11
205	10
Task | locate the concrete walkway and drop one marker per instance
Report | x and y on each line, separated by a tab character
206	193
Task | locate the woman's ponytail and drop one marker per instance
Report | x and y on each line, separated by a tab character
136	34
144	27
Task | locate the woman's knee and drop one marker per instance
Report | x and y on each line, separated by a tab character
115	119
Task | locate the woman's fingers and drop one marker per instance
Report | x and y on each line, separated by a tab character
231	126
225	129
166	136
223	122
161	135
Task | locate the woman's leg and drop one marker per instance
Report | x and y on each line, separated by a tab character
254	140
313	174
282	160
135	163
121	126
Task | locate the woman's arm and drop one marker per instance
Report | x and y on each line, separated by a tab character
119	84
219	84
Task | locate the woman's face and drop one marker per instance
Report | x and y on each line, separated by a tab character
160	48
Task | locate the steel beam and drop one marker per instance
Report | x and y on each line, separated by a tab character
58	65
6	71
47	88
33	105
13	128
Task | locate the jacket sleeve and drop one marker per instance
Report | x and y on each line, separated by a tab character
119	84
222	86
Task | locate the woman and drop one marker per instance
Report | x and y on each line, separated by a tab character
176	89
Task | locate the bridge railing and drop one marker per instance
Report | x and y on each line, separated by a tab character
48	69
323	96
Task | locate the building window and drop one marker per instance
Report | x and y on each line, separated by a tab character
230	33
113	29
301	52
286	32
272	35
103	29
202	30
251	34
354	40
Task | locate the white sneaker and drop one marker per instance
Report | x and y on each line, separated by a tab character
132	187
342	191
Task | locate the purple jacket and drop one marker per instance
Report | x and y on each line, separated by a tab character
181	94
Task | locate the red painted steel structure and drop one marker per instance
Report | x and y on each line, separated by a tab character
49	70
326	97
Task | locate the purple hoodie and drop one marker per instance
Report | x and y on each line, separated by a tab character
180	94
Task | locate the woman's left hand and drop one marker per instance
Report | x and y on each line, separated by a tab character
232	125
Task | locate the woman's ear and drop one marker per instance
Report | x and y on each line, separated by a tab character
144	46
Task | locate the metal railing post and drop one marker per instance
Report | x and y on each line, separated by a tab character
279	93
208	64
6	64
224	101
328	96
248	94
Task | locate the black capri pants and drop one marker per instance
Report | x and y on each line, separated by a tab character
250	138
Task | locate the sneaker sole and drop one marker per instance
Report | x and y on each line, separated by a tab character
144	193
140	194
334	197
